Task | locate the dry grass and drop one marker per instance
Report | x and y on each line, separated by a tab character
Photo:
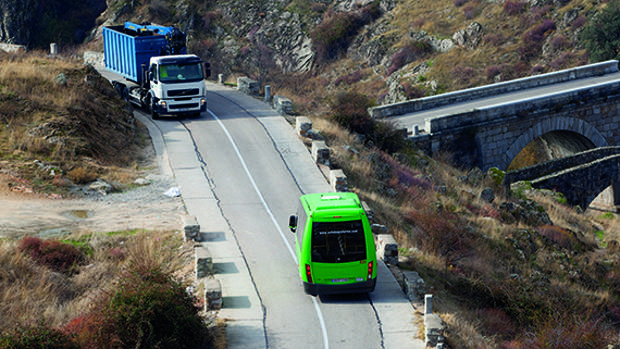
494	280
81	128
29	291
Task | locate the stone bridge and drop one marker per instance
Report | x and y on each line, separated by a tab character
492	135
580	178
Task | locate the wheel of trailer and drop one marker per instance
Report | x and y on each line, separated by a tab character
150	108
119	88
125	94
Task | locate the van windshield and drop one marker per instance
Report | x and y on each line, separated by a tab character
180	72
338	242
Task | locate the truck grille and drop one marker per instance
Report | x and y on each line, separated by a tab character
182	93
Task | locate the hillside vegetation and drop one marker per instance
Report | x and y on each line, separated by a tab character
63	125
514	270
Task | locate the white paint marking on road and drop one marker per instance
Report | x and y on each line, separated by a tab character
275	222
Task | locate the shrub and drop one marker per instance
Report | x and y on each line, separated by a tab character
533	39
350	110
512	8
412	92
560	236
463	74
36	336
56	255
349	79
408	54
468	11
459	3
601	37
560	42
566	331
331	37
493	71
439	231
147	309
562	61
493	39
578	22
81	175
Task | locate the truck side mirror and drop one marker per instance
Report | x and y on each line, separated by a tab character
207	69
151	76
292	223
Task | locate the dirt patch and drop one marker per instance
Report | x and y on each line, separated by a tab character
24	212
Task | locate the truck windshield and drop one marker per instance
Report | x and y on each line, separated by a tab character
338	242
180	72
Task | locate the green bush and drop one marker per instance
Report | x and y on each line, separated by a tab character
601	37
36	336
147	309
350	110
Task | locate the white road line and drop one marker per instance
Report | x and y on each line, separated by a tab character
275	223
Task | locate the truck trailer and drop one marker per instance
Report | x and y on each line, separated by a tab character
154	70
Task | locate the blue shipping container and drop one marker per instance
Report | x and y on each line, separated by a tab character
125	52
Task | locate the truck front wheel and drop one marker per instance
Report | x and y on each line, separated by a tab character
150	105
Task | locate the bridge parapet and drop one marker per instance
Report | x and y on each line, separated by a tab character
425	103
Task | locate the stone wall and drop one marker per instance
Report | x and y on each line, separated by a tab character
581	184
553	166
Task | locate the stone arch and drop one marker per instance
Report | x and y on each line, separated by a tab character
554	123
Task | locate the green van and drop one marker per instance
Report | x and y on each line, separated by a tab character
334	244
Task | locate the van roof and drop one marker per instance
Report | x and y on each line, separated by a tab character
332	202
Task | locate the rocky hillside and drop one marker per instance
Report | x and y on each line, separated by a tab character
37	23
390	50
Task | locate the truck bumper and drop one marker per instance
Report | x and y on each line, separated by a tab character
176	107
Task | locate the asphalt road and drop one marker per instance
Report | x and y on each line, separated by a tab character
241	168
418	119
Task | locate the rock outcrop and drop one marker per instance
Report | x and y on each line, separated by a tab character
36	23
16	18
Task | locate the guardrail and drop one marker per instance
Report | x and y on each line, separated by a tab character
586	71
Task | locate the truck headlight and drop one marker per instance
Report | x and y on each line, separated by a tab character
203	101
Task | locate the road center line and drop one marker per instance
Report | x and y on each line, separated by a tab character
273	219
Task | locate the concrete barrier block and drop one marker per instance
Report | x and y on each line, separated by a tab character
191	228
378	229
387	248
338	180
204	262
282	104
320	152
213	294
370	213
413	285
248	86
433	330
303	126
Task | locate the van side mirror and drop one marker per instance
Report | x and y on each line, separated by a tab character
292	223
